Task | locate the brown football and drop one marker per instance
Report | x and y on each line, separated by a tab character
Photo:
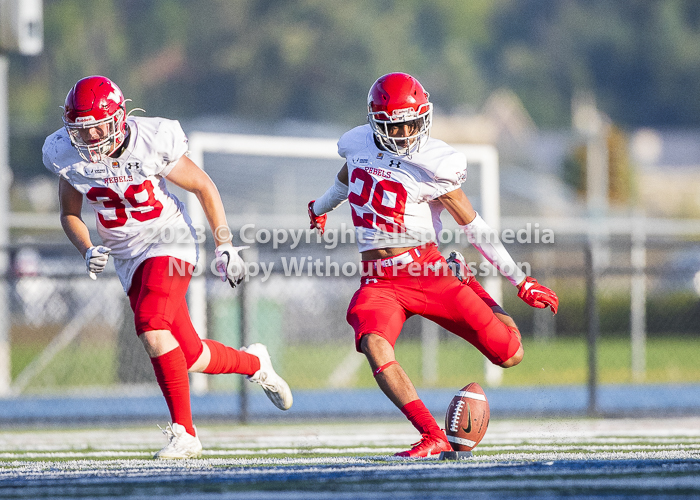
467	418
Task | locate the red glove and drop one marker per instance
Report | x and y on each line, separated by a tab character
537	295
317	221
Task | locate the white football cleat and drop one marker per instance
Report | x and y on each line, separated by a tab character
181	445
274	386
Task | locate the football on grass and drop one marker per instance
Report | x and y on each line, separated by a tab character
467	418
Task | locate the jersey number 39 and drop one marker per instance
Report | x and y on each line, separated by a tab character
138	197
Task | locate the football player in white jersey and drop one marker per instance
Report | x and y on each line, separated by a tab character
398	180
120	164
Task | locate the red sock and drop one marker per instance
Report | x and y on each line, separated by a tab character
226	359
420	417
171	374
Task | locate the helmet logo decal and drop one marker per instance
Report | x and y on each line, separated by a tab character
95	101
114	96
403	114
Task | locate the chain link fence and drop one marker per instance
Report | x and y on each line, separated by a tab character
69	334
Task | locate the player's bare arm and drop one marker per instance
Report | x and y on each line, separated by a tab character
459	206
343	175
188	176
71	202
461	209
529	290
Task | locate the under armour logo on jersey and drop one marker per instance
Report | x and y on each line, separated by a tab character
395	163
132	165
370	280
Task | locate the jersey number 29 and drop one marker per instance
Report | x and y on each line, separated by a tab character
385	218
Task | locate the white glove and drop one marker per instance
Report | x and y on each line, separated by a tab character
96	260
229	264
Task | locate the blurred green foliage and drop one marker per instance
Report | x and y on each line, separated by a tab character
312	59
316	59
621	185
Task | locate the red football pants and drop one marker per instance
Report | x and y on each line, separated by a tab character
157	297
388	296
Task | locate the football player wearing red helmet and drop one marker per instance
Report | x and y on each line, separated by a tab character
399	113
398	180
120	164
95	117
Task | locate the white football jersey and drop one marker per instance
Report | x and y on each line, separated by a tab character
390	195
137	217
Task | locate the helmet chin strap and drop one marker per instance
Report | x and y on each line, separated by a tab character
120	149
393	147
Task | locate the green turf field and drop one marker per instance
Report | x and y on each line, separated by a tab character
556	362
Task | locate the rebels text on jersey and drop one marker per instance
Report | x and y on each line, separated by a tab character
392	197
137	217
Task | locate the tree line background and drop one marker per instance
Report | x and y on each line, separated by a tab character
314	60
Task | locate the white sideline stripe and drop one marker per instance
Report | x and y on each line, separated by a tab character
458	440
471	395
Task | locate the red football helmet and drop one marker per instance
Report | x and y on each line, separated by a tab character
95	117
399	99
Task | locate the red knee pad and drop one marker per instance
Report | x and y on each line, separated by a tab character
500	342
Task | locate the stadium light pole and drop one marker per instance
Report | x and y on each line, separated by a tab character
592	125
593	329
5	181
21	31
